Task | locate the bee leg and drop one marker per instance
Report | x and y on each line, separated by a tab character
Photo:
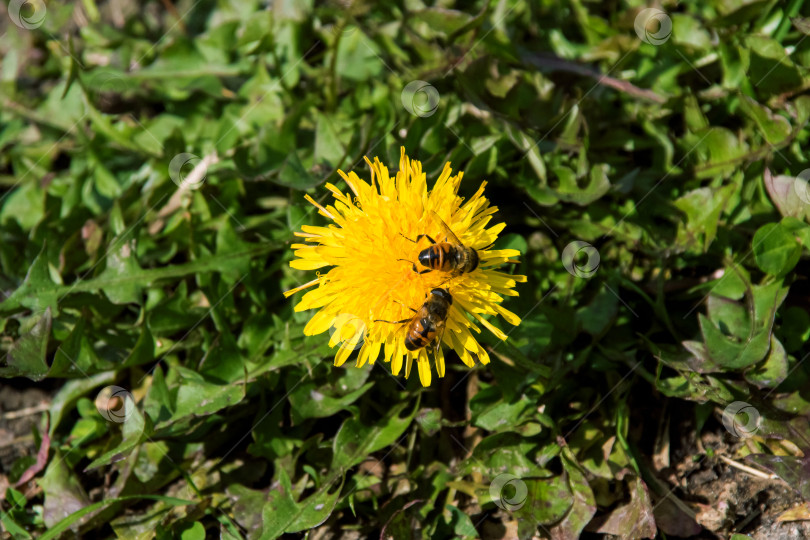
409	307
392	322
414	267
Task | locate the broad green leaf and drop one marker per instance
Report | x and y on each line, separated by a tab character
490	410
584	504
27	356
732	318
293	174
358	57
75	356
36	289
770	68
121	265
38	292
75	517
315	400
716	151
703	207
197	396
773	370
195	532
727	353
569	190
547	501
356	440
776	250
64	494
442	21
282	514
773	127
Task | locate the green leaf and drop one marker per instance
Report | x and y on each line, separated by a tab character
547	501
293	174
313	400
121	265
689	31
773	127
329	148
358	57
75	356
459	524
570	191
37	290
27	356
282	514
57	529
773	371
197	396
728	354
64	494
716	150
732	318
442	21
703	207
584	505
356	440
776	250
195	532
492	412
771	70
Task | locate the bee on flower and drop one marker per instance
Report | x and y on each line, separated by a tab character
391	249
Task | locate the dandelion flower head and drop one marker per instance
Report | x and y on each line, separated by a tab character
371	252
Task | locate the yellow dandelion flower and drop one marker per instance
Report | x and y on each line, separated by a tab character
372	252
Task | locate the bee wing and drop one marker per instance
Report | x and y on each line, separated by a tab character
453	238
